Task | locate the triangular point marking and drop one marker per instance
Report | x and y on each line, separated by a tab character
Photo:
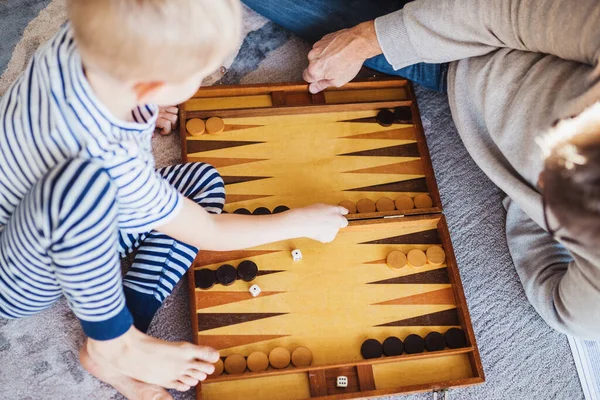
221	342
207	299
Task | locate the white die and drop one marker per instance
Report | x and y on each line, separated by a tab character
342	382
297	255
254	290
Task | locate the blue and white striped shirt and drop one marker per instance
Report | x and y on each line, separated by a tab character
51	115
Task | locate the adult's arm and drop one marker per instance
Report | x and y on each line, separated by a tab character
563	286
434	31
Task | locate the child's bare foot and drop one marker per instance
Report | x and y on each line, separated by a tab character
128	387
172	365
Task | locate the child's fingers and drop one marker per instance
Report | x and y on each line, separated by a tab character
170	109
164	125
343	210
344	222
168	116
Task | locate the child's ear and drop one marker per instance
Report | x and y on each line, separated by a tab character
143	90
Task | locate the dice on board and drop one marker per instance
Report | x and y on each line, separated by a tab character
254	290
297	255
341	382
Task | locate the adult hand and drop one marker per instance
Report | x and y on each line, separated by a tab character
338	57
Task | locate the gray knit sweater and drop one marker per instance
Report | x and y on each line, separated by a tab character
516	66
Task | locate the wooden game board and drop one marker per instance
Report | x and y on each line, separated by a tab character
273	155
283	146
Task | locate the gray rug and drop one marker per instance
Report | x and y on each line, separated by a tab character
522	357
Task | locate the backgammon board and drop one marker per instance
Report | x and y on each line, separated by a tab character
278	147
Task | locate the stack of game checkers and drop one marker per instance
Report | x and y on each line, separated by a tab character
226	275
197	127
385	204
454	338
257	361
434	255
400	115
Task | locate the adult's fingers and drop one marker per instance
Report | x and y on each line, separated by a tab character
314	54
318	86
313	73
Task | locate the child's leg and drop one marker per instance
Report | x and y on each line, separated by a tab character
62	239
161	261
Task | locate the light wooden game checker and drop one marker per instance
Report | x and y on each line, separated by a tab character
280	145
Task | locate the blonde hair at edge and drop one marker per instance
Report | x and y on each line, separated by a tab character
155	40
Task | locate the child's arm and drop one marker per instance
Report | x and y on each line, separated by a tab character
195	226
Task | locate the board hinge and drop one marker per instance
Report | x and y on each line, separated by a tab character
394	216
441	394
432	213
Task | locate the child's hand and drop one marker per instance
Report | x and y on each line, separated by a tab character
167	118
320	221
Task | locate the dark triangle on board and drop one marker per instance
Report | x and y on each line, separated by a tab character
411	185
268	272
367	119
428	277
440	318
424	237
207	321
196	146
230	180
402	150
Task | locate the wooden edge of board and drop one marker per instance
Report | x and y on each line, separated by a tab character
294	110
459	296
369	362
424	150
193	305
406	389
261	88
394	214
182	133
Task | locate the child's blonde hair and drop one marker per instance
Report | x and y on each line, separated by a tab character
155	40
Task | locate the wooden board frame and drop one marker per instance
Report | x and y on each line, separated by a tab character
293	98
363	368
